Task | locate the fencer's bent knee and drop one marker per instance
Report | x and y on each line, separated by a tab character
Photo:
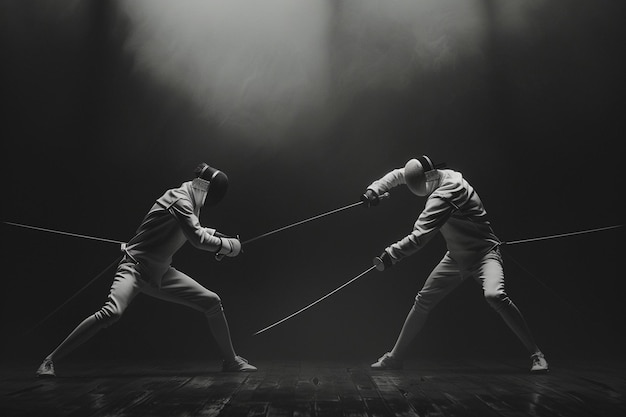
214	311
422	304
497	299
108	314
211	304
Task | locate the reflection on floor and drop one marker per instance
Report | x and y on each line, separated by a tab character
316	388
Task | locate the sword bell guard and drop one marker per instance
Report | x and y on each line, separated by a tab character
378	263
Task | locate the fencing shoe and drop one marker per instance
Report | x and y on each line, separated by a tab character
539	363
387	362
238	364
46	369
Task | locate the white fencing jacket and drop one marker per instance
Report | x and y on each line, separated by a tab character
172	221
453	208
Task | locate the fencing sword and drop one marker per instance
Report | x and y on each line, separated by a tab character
59	232
509	243
119	242
561	235
316	301
84	287
217	256
378	261
383	196
66	302
310	219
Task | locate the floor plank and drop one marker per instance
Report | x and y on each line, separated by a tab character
317	389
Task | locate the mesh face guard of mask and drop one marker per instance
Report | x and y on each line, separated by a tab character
421	175
214	181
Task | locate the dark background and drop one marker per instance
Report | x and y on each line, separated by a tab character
526	100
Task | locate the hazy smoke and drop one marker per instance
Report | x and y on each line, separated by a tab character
255	65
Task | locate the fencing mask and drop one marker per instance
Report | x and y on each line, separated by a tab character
421	176
218	183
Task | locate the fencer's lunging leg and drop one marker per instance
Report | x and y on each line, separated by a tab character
124	288
221	333
514	319
179	288
83	332
441	281
491	275
412	325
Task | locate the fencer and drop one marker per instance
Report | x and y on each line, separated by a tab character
146	267
453	208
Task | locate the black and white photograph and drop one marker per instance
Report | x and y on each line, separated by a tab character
312	208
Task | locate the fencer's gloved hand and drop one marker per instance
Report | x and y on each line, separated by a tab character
230	247
370	198
383	261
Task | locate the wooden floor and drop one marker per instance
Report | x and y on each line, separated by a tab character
307	388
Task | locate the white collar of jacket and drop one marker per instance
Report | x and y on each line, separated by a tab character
199	188
200	184
432	180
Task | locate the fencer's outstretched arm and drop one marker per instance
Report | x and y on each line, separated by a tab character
388	181
378	189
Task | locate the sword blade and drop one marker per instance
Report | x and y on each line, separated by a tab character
315	302
536	239
83	288
59	232
319	216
